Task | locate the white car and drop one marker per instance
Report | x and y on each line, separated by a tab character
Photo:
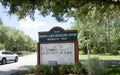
6	56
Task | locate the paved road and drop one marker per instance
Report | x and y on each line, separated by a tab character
23	63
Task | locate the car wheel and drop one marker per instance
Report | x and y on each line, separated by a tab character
16	59
4	61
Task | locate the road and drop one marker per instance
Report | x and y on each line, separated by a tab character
22	64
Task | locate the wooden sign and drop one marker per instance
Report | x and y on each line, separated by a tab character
57	45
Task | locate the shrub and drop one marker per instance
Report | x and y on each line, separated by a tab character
34	69
64	69
46	69
40	69
95	67
55	70
2	46
76	68
114	53
113	69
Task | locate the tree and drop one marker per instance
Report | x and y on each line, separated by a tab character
2	47
15	40
82	10
60	9
1	23
102	32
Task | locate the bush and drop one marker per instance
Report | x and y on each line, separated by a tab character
76	68
34	69
114	69
114	53
95	67
45	69
2	46
57	70
64	69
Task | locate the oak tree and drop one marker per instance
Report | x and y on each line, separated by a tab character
60	9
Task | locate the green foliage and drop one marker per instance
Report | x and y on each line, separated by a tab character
64	69
114	52
102	32
34	69
45	70
76	68
24	53
95	67
96	21
60	9
57	70
2	47
15	40
113	70
1	23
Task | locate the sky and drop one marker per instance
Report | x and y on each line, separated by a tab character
30	27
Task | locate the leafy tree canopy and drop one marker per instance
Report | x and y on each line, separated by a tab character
15	40
60	9
1	23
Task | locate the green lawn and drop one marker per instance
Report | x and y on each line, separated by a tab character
26	53
102	57
114	69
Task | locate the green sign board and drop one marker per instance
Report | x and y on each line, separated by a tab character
58	34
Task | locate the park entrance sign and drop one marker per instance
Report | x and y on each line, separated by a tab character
57	45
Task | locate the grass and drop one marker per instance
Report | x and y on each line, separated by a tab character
101	57
114	70
26	53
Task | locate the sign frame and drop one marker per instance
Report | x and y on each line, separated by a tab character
67	32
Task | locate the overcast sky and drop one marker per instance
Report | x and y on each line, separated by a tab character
30	27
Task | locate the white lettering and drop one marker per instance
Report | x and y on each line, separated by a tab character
72	34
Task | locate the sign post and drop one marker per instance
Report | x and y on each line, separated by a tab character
88	50
57	45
